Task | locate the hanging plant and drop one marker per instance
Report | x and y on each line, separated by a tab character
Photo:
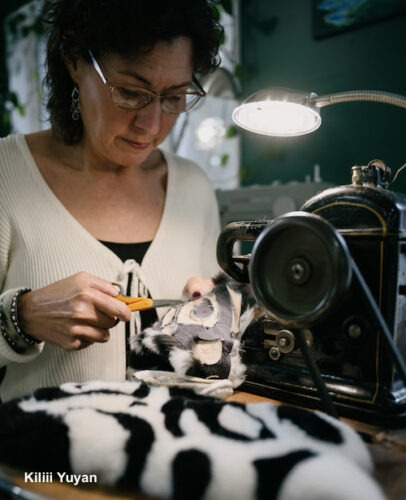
8	102
19	26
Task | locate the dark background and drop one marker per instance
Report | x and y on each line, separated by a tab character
279	50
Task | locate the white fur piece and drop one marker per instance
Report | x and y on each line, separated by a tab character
149	342
100	385
107	457
247	426
329	477
238	369
236	300
60	406
352	446
245	319
241	455
181	360
135	343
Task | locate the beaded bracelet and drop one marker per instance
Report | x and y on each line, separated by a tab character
14	317
3	331
10	341
3	322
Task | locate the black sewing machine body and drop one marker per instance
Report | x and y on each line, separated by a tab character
342	335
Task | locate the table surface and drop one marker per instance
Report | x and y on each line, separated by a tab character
388	450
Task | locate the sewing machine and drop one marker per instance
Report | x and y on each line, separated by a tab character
331	280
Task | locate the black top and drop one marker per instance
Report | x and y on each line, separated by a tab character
127	251
137	252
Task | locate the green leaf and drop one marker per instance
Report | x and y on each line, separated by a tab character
13	98
216	12
224	159
231	132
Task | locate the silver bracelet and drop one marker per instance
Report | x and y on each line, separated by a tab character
9	340
16	343
14	317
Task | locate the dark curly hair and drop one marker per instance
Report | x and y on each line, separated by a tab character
125	27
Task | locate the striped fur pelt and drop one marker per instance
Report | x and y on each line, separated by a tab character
200	338
172	444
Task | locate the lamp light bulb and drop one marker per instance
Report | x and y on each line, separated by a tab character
277	118
283	112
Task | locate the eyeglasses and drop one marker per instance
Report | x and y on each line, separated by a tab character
132	97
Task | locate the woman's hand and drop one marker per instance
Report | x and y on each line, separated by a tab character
72	313
196	287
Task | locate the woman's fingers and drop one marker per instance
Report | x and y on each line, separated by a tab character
88	333
112	307
99	284
94	306
104	297
75	336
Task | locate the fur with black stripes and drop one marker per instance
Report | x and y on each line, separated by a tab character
172	443
168	344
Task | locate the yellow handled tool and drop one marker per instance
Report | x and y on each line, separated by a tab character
143	303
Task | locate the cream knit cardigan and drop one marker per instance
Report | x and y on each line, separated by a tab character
41	242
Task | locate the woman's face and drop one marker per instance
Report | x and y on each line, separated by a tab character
123	137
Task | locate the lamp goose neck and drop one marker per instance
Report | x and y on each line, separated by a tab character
358	95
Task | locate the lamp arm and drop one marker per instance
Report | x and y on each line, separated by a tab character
358	95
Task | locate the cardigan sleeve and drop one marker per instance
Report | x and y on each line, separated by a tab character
7	353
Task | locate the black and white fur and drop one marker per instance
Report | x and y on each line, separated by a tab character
219	317
171	443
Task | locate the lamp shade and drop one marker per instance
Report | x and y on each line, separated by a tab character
278	112
284	112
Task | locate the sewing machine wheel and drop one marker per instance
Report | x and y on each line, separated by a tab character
300	266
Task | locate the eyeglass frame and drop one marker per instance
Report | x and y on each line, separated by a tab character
152	93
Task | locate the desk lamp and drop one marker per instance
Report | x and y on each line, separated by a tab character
283	112
332	278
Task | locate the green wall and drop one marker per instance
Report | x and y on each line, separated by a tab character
370	57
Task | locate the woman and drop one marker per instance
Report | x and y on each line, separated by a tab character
93	200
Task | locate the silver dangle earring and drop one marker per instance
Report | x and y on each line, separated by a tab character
75	105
